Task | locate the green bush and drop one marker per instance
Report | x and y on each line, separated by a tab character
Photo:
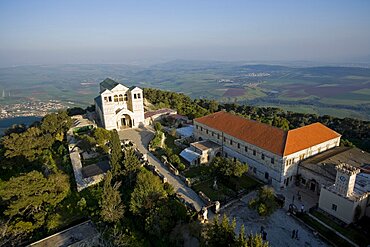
252	204
158	126
262	209
265	202
53	222
181	167
156	141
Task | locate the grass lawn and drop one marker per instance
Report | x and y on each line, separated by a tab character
170	143
196	171
242	183
93	160
330	235
221	194
226	187
350	232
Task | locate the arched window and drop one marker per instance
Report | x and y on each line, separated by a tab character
126	97
120	97
115	97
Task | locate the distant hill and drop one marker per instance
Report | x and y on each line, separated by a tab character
335	90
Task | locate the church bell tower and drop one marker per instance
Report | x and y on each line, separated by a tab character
345	180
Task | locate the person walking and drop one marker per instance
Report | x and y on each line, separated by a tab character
264	235
296	234
293	234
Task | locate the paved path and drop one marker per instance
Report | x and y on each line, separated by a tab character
279	225
141	137
308	197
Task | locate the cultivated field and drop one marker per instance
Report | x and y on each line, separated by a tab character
338	91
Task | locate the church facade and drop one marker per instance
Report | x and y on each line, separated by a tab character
119	107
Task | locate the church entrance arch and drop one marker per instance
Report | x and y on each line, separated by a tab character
125	121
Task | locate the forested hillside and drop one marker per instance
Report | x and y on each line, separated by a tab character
132	207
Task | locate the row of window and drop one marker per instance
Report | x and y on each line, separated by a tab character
254	169
120	97
116	98
263	157
303	156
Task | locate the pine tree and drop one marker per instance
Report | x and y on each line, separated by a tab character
116	154
28	198
242	240
148	190
223	234
112	209
131	164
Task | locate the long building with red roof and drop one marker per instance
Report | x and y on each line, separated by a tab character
272	154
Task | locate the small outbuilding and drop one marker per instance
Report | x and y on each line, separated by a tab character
185	132
204	150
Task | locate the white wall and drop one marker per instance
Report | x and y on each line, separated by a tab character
234	150
280	170
291	168
345	207
132	107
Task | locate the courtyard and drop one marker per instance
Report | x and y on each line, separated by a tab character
278	226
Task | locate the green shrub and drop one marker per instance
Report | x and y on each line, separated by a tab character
252	204
54	221
158	126
262	209
181	167
265	202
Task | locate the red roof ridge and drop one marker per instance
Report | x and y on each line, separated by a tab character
265	136
250	131
307	136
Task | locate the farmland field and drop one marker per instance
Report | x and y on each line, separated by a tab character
338	91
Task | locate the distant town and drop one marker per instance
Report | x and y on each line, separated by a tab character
31	108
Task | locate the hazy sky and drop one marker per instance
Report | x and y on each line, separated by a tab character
78	31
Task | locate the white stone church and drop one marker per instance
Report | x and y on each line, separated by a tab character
119	107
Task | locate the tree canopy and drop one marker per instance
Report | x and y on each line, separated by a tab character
102	136
265	202
227	167
222	233
35	140
29	144
111	205
148	190
56	124
116	153
28	197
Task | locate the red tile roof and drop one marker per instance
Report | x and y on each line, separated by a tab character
308	136
267	137
253	132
